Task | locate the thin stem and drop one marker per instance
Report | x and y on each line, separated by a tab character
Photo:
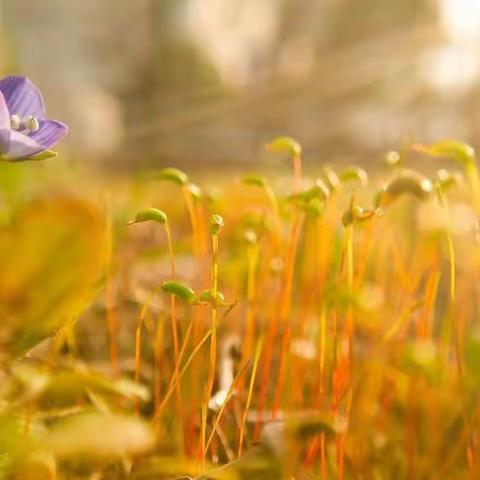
253	253
111	316
213	340
138	347
297	172
250	394
171	386
227	398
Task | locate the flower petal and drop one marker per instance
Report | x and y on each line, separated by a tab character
21	147
4	141
4	114
22	97
49	133
4	125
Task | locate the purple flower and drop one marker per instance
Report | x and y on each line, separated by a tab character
25	131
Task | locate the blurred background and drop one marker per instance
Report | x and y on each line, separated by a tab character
206	82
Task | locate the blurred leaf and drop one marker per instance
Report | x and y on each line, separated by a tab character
306	428
97	435
51	257
422	357
167	468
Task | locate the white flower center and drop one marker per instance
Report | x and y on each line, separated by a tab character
32	124
15	122
27	125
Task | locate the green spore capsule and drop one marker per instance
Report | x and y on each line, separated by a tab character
354	174
315	207
180	290
216	224
461	152
348	217
408	183
447	180
194	190
207	297
321	190
393	158
254	180
286	145
251	237
150	214
173	175
356	214
331	179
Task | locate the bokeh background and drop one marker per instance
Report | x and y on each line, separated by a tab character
205	82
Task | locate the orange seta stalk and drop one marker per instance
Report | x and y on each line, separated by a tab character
138	347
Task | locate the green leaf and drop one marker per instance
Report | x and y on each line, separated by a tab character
150	214
51	257
180	290
286	145
45	155
173	175
119	435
